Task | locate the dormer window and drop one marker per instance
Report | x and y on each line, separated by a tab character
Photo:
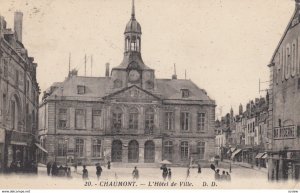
185	93
80	89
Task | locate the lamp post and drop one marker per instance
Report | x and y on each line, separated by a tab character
66	145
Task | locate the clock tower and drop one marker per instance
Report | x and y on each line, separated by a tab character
132	70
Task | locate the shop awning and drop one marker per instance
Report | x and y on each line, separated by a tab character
264	156
235	153
231	150
259	155
41	148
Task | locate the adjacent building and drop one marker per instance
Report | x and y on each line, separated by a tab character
243	137
284	111
127	116
19	95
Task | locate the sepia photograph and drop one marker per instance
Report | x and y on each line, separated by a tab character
149	94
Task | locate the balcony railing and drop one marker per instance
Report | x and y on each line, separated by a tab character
285	132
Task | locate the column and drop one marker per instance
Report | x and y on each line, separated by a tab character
141	151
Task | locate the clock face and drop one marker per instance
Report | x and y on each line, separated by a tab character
134	76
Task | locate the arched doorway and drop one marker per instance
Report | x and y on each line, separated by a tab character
116	151
149	155
133	151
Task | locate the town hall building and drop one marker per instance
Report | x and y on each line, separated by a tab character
127	116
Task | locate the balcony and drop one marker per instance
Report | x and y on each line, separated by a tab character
286	132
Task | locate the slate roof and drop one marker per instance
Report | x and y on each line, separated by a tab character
96	88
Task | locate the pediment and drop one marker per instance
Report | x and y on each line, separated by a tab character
133	93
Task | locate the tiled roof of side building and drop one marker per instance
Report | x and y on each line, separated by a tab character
95	88
171	89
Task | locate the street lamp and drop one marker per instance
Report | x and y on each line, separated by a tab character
66	145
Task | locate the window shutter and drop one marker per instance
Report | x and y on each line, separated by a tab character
298	130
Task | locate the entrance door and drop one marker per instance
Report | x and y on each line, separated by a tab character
149	156
133	151
116	151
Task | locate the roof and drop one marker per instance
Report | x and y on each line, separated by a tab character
95	88
171	89
285	33
98	88
130	58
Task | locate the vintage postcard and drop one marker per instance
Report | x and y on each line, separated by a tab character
151	94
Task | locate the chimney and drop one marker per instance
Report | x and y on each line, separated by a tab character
107	70
18	23
2	26
174	76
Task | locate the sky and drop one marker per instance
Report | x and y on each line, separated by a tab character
223	45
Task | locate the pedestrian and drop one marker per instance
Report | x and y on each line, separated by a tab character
54	169
69	172
75	167
199	168
169	174
98	171
217	175
49	165
108	165
165	171
135	173
228	176
188	173
85	173
223	176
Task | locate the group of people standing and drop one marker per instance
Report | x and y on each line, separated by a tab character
225	176
166	172
26	167
54	170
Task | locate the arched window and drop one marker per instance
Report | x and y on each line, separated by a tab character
184	150
133	119
15	112
133	151
149	155
168	150
117	115
200	150
116	151
149	121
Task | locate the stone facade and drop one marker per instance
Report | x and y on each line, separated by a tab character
19	95
284	119
128	116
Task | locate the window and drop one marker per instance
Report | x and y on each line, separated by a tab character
79	147
117	83
185	93
117	120
133	119
4	101
184	121
169	120
184	150
168	150
80	89
200	149
96	116
201	121
96	151
79	119
62	147
17	77
62	122
149	121
5	68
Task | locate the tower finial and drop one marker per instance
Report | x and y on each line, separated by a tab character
132	11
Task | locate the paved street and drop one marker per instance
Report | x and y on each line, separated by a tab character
149	178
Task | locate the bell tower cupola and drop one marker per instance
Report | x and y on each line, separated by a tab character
133	32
